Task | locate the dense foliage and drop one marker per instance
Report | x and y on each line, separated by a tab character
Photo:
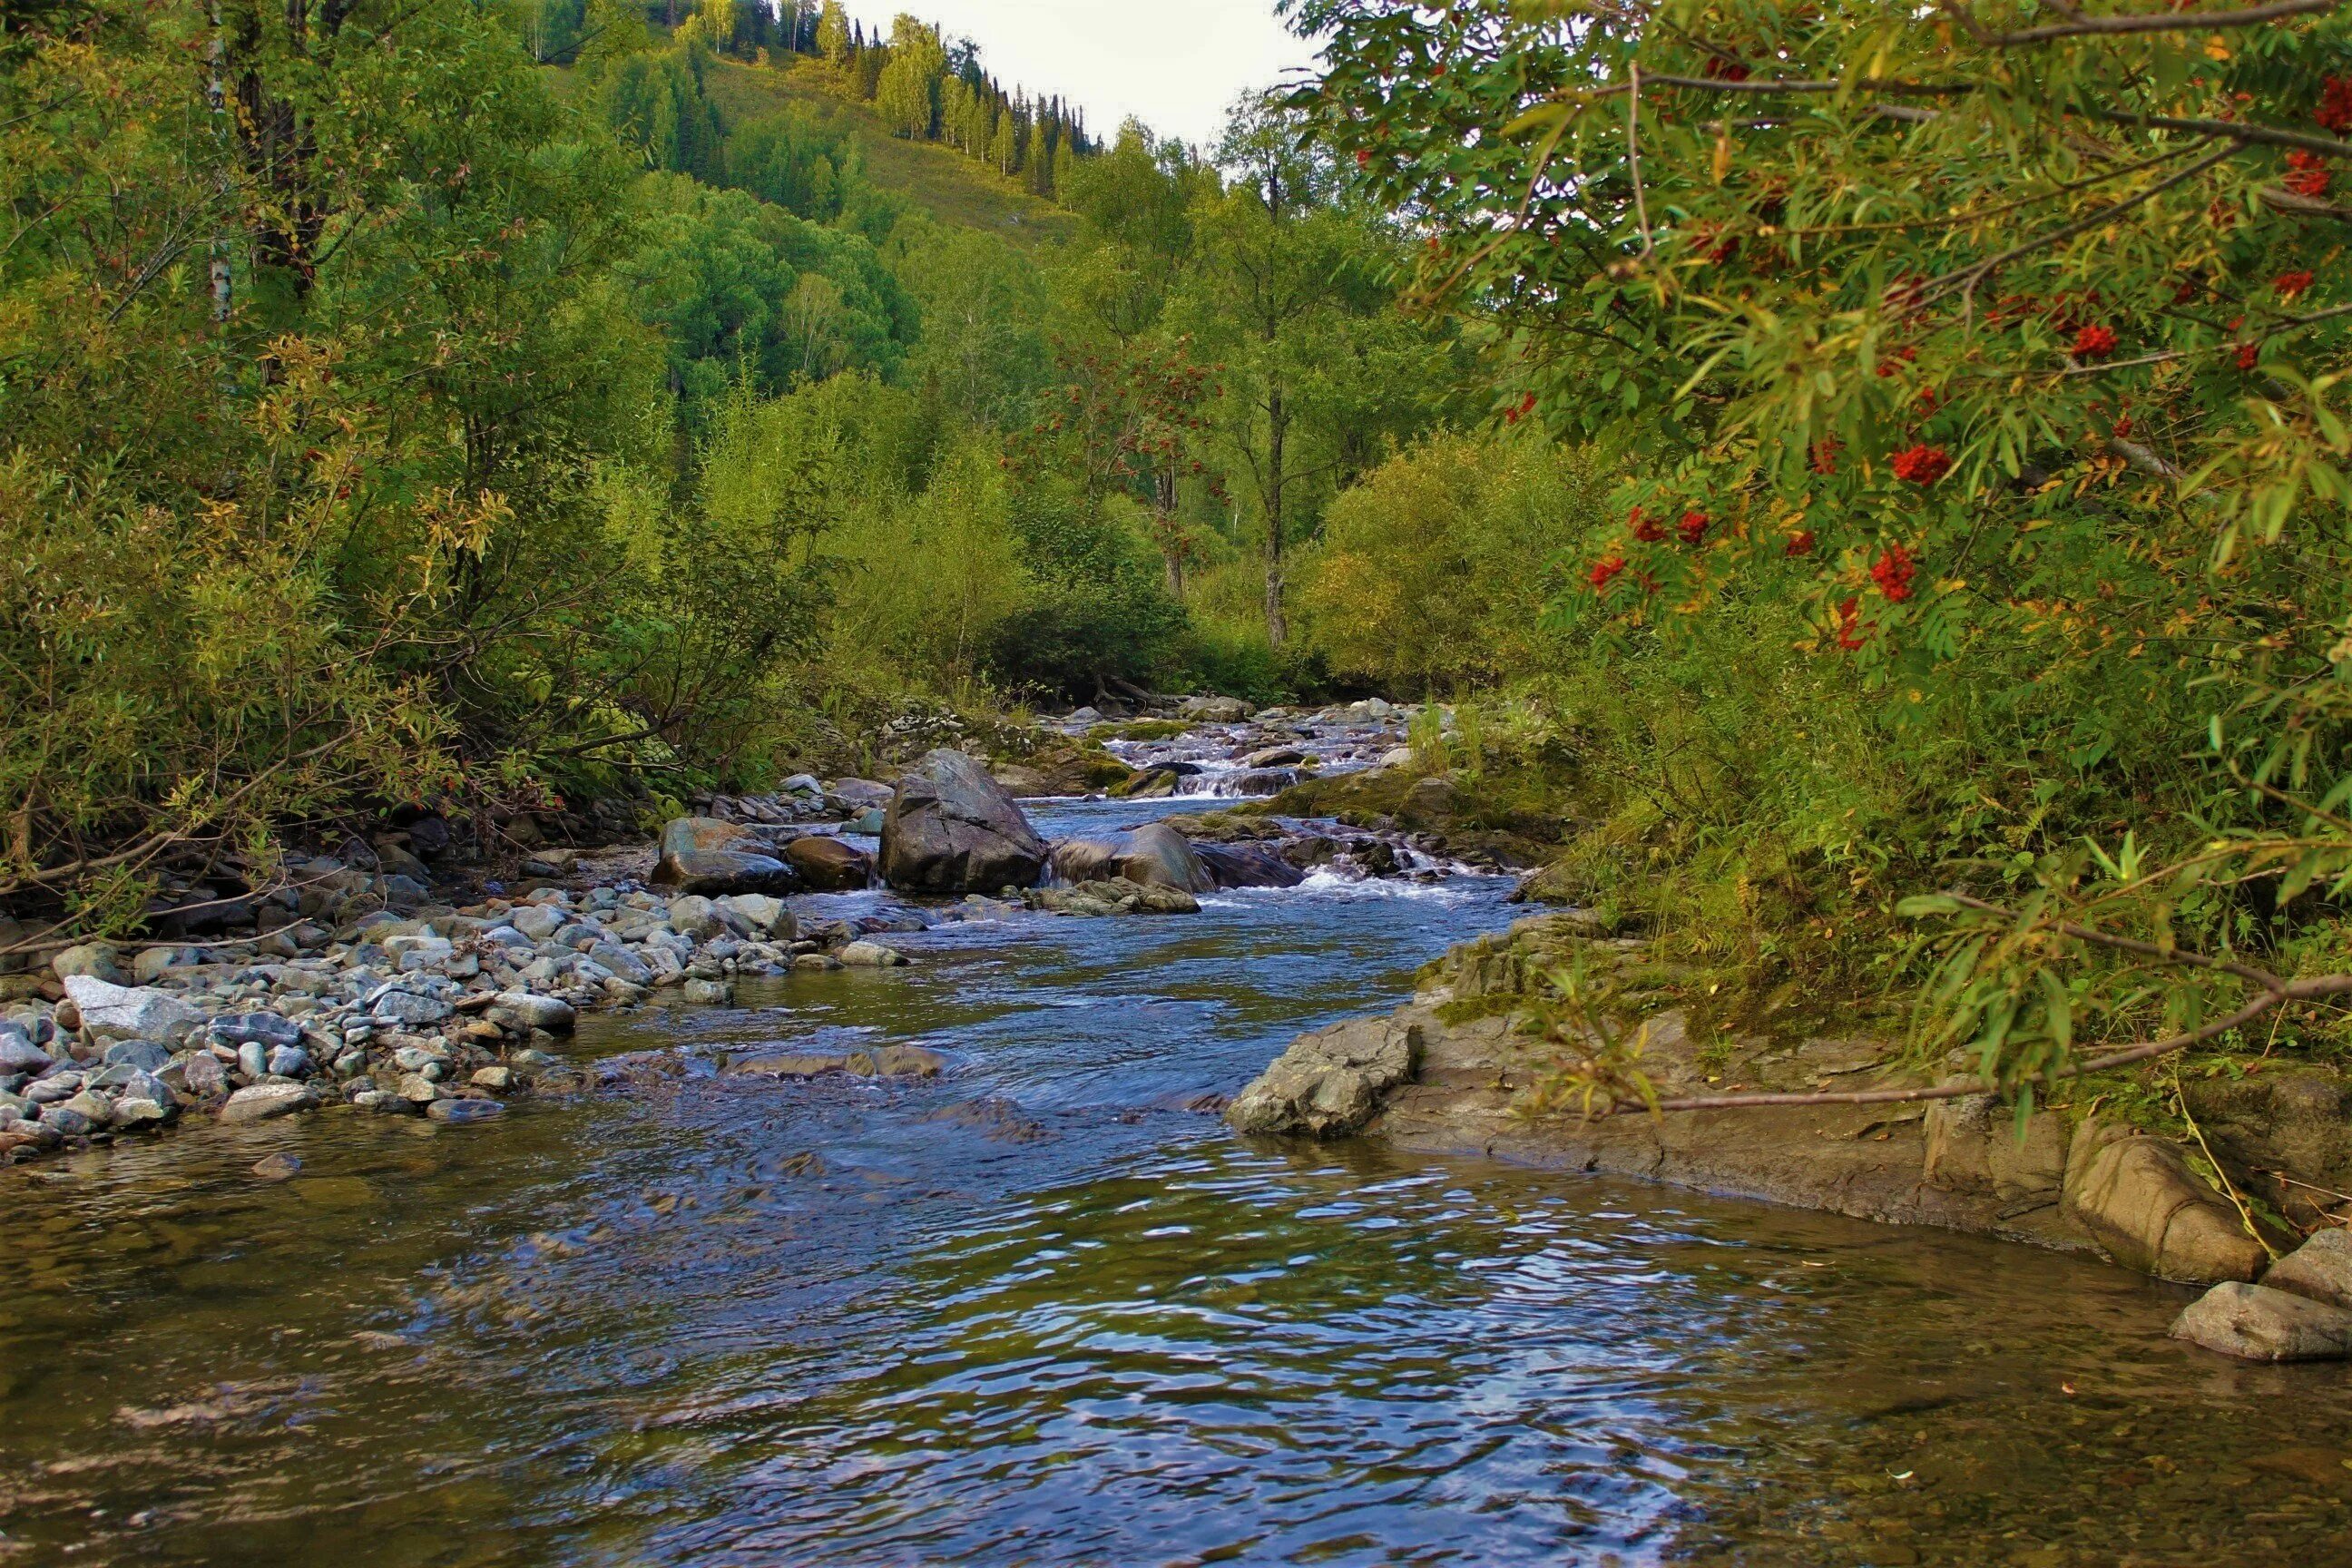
1991	359
473	406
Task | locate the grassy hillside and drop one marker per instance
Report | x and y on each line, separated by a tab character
939	180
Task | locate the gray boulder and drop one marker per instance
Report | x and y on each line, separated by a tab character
126	1013
952	829
1329	1082
2147	1210
95	959
871	955
1159	855
2318	1270
2258	1323
409	1009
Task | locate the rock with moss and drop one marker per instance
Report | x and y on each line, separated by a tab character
1329	1083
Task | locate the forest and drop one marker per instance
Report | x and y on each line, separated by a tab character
1892	513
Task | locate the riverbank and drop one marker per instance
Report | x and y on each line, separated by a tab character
1457	1071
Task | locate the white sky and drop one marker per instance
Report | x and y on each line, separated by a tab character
1175	64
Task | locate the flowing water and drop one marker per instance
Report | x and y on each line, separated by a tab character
1039	1312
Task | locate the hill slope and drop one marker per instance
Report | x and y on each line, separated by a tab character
939	180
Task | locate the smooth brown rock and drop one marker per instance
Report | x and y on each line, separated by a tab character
827	864
2138	1199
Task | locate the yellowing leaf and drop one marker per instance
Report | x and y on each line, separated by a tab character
2216	49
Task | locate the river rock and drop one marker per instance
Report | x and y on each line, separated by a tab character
1117	895
65	1122
952	829
265	1029
717	871
1247	866
696	918
707	992
112	1012
18	1054
461	1111
826	865
536	921
2318	1270
2262	1324
409	1009
1329	1082
871	955
1214	710
703	855
882	1061
93	960
267	1102
850	796
768	917
2146	1209
1159	855
141	1055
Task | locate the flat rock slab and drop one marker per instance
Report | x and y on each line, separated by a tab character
2257	1324
125	1012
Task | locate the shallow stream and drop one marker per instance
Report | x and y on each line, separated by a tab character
1039	1312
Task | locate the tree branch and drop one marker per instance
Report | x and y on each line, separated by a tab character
2080	26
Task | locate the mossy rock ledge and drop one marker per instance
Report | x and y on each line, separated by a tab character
1450	1074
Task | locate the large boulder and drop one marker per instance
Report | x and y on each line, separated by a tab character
826	865
1159	856
952	829
2261	1324
1329	1082
702	855
1155	854
2147	1210
112	1012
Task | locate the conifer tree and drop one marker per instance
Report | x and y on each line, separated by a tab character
1039	159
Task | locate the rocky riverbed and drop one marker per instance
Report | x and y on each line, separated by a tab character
361	988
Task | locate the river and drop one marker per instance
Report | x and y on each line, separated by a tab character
1041	1312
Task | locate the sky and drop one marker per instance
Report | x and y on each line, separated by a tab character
1175	64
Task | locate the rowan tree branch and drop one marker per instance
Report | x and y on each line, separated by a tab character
2080	26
